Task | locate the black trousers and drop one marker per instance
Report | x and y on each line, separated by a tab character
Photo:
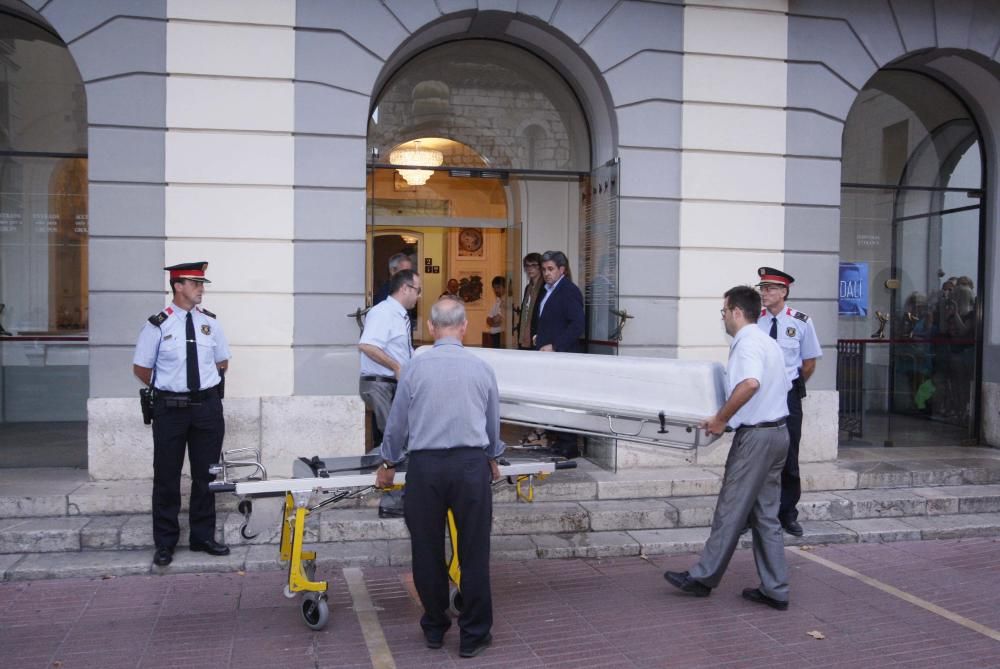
791	484
456	479
200	428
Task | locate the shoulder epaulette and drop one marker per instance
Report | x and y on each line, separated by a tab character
801	316
207	312
157	319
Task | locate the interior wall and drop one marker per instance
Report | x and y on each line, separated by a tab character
551	219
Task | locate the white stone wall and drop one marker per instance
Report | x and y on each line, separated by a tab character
229	166
733	164
281	428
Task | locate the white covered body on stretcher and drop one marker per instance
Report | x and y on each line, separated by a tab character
656	401
645	400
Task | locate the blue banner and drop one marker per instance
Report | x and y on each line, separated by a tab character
853	293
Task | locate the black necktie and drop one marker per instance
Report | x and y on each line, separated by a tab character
194	379
774	327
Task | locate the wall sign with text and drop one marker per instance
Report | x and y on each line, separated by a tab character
853	289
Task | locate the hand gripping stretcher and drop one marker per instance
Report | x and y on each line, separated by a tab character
318	483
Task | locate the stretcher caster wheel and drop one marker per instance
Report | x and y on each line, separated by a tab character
315	611
287	592
454	601
245	507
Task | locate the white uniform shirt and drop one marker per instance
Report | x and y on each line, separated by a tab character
497	310
387	326
164	349
754	355
796	337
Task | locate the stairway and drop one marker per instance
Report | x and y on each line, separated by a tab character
55	523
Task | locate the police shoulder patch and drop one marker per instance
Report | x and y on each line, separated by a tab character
801	316
207	312
157	319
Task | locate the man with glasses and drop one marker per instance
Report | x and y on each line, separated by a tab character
386	346
756	410
796	336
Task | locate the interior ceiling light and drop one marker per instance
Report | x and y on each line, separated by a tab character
416	157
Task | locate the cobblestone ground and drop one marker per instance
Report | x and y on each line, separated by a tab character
549	613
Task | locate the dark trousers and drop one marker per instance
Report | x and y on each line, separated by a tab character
200	428
791	484
456	479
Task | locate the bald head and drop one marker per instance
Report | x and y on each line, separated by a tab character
448	318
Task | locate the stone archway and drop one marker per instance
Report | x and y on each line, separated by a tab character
957	47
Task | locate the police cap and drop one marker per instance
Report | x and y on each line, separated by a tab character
769	275
192	271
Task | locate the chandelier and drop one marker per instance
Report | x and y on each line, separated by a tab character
417	157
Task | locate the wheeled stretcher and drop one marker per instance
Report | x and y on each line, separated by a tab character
321	482
655	401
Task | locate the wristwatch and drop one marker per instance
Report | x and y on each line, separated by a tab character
387	465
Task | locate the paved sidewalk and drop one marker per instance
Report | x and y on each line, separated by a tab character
549	613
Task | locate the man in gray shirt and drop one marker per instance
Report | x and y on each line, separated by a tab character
446	415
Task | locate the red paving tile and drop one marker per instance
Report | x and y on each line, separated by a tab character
566	613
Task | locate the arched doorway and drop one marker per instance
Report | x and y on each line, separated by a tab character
483	150
911	285
43	249
504	148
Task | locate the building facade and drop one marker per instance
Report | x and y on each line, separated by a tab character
670	148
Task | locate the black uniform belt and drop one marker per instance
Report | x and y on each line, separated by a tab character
372	377
196	396
770	423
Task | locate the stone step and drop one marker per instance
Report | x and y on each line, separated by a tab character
333	525
49	493
381	552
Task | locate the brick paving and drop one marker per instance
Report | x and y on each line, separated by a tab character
549	613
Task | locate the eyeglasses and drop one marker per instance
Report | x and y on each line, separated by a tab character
723	310
530	264
419	290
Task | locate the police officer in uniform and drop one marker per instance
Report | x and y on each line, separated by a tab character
182	354
796	335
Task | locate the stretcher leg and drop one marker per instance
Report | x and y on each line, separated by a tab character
454	570
302	565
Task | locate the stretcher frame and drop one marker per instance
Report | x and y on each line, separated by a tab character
305	495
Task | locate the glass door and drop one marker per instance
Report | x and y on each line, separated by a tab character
911	290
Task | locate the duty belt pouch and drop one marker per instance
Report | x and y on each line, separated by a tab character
146	405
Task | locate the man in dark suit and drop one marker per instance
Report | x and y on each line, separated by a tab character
559	321
558	325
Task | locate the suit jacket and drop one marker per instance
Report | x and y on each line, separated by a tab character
561	323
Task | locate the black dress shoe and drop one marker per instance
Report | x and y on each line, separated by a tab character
433	642
792	527
478	648
683	581
212	547
756	596
163	556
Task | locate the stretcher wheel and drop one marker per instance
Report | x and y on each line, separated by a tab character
287	592
315	611
245	507
454	600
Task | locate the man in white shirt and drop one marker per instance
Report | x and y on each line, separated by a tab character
796	336
756	410
386	346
